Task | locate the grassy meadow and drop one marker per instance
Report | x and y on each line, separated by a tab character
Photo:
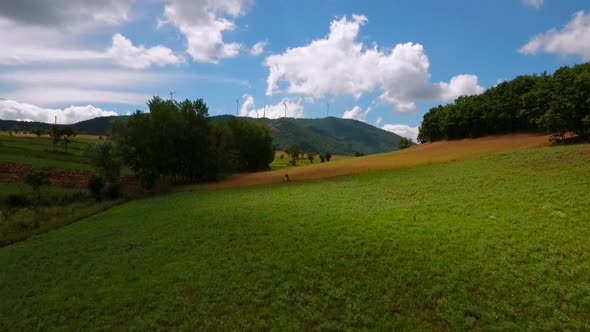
497	242
28	149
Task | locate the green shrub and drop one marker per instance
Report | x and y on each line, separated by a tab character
37	179
113	190
95	186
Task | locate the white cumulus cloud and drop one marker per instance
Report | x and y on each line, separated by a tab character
203	23
532	3
338	64
356	113
13	110
573	39
258	48
293	107
126	54
403	130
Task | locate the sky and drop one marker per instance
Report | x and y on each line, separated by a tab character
382	62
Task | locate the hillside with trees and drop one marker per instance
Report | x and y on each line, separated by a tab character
340	136
557	104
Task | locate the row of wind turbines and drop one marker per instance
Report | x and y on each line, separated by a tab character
264	112
257	114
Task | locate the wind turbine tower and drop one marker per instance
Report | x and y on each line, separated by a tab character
284	103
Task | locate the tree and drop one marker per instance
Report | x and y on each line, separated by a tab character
37	179
322	158
106	158
293	151
55	134
38	132
328	156
404	143
95	186
310	157
358	154
66	133
253	144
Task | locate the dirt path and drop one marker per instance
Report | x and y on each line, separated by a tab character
417	155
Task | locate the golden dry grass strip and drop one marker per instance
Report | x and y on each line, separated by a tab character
422	154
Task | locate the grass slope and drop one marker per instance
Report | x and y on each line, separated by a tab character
39	151
423	154
497	242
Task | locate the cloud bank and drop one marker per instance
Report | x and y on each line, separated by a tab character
13	110
340	65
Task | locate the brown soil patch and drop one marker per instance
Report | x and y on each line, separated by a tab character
422	154
58	177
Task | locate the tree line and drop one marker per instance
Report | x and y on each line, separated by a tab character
178	142
558	104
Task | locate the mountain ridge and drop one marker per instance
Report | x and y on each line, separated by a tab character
339	136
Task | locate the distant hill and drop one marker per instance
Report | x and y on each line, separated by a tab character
339	136
96	126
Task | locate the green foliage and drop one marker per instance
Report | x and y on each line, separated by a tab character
106	158
38	132
113	190
328	156
96	186
37	179
310	157
322	158
177	142
556	103
294	152
404	143
358	154
55	134
253	144
432	252
66	133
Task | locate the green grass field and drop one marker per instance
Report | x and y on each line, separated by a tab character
499	242
39	151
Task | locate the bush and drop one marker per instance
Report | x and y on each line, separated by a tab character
95	186
106	158
358	154
14	201
113	190
328	156
37	179
404	143
322	158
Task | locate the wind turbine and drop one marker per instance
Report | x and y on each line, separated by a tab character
264	112
284	103
327	109
237	107
171	94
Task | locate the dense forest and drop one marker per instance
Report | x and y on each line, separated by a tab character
558	104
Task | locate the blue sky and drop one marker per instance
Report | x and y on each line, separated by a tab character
383	62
